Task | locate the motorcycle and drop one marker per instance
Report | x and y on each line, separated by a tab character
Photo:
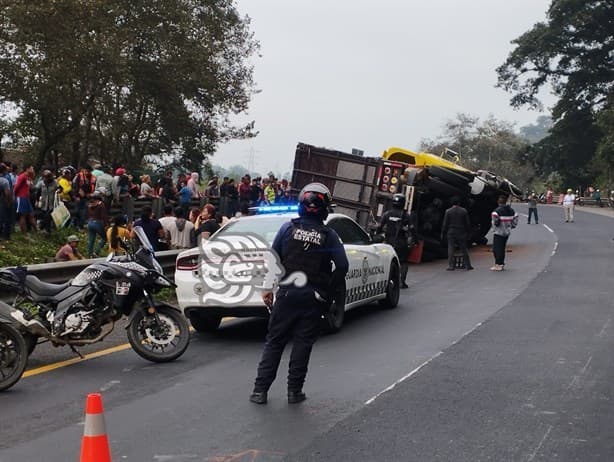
84	310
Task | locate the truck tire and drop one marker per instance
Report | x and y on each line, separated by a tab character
442	188
452	177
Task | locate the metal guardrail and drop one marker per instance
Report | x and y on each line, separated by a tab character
157	204
586	201
60	272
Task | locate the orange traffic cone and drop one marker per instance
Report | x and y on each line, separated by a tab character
95	444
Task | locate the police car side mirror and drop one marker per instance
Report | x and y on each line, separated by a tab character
378	238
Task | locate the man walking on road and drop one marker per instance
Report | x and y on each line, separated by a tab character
457	228
504	219
569	202
305	245
533	209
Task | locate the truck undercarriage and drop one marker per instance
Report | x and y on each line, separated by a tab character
362	188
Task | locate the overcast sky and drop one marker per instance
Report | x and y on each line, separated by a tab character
373	74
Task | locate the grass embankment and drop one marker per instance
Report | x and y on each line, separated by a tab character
40	247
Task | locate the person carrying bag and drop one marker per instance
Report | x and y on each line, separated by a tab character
60	213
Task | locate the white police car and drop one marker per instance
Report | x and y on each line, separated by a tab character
226	275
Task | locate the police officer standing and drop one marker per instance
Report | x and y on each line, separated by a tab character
397	224
456	228
304	245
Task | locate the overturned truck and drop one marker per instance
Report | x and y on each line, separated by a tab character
362	188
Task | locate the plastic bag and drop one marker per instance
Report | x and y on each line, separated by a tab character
60	214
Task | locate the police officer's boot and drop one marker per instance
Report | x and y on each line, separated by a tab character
296	397
258	397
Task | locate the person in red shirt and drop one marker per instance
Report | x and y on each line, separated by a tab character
245	191
25	211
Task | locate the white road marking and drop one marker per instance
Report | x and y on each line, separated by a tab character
108	385
556	246
548	228
576	378
541	443
573	382
369	401
583	370
402	379
605	327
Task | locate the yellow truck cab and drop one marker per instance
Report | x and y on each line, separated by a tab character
419	159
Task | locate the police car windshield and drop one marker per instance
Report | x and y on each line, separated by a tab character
265	227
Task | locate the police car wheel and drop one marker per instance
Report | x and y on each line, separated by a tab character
205	322
393	291
334	317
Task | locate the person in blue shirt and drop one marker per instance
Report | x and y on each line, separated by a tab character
306	247
185	196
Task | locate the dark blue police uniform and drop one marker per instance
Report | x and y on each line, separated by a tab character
304	244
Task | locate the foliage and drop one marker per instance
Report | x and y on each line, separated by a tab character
119	80
571	53
604	156
536	132
490	145
237	172
30	249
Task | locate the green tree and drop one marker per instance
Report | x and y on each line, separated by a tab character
571	54
127	80
536	132
604	158
489	145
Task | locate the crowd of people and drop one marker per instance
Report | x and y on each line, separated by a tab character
183	207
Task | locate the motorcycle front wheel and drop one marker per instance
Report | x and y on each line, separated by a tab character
13	356
159	339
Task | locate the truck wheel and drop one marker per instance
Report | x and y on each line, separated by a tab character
205	322
452	177
393	291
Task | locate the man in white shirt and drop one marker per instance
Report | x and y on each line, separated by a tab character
182	231
569	201
168	219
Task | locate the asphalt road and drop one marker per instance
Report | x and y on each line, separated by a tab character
533	382
471	366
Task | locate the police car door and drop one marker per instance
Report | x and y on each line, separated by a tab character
365	278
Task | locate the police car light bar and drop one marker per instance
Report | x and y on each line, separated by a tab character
275	208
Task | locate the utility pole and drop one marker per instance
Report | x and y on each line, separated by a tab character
251	162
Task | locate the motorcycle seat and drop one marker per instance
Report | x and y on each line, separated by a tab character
44	289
